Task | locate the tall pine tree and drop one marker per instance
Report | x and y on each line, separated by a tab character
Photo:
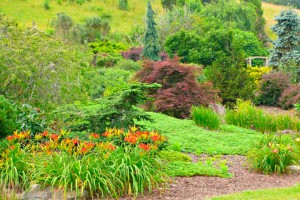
287	46
151	46
123	4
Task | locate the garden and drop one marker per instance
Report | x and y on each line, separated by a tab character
168	108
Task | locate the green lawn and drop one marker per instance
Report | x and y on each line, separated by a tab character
27	11
290	193
186	136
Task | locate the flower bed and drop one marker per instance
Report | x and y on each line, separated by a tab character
114	163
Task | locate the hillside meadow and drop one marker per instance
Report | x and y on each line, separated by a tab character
27	12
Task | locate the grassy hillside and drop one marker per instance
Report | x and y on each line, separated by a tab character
185	135
270	11
25	12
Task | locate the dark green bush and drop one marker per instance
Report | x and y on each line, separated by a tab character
8	115
117	111
271	88
107	60
31	119
229	75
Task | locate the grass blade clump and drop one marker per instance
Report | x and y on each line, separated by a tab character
206	117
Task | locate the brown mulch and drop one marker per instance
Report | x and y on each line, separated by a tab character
202	187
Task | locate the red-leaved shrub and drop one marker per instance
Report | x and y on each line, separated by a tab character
271	88
132	54
179	90
290	96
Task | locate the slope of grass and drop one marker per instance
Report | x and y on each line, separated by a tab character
25	12
270	11
185	135
266	194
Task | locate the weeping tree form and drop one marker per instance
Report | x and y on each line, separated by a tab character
286	52
151	46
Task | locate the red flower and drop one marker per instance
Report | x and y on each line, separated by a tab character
75	141
106	134
84	150
54	137
10	137
95	135
111	147
146	147
45	134
155	138
12	147
275	151
89	145
131	139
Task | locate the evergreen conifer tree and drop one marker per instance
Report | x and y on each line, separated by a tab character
287	46
151	46
123	4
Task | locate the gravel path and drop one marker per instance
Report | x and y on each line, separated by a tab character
201	187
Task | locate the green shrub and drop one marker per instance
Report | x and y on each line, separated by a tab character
247	116
118	110
273	154
8	115
46	5
123	4
106	82
30	118
108	60
206	117
128	65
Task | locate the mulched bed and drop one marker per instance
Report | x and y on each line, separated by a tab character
201	187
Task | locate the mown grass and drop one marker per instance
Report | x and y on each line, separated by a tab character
266	194
186	136
25	12
270	11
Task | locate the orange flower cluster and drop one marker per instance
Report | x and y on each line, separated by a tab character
106	142
18	136
144	139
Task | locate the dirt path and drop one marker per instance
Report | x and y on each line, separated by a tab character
201	187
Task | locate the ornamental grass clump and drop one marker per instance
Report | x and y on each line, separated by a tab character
111	164
206	117
273	154
248	116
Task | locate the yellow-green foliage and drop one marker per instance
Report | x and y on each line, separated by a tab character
248	116
27	12
257	72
